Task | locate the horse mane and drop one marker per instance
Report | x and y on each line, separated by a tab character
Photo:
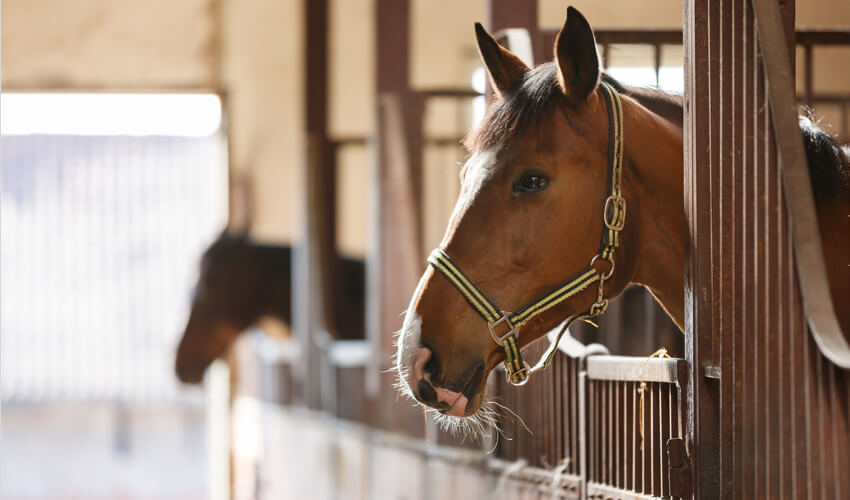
666	104
531	100
539	94
829	163
534	98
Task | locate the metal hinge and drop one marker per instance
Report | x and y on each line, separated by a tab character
679	470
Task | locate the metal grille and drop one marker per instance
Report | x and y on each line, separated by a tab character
603	422
633	407
100	241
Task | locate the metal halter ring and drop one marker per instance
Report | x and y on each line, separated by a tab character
608	260
512	330
618	224
525	369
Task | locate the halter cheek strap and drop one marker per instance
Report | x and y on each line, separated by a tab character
504	326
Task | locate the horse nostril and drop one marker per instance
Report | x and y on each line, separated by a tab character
426	392
432	366
425	364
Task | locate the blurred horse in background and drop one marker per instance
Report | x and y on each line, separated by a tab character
242	282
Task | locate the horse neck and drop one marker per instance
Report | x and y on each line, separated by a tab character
653	174
273	268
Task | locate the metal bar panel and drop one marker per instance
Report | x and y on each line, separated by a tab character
635	431
583	387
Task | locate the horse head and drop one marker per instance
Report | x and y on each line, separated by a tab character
225	303
534	198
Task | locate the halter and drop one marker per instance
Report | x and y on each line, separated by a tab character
504	326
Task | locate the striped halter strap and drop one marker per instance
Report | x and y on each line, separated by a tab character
504	326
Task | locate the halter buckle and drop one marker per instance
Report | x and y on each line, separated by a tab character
614	203
492	326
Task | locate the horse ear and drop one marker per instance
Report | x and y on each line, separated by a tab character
577	58
503	66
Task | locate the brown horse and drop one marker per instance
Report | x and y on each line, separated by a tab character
530	213
240	282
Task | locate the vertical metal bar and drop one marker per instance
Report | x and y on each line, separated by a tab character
582	434
661	442
635	424
606	445
835	416
643	442
651	435
617	427
591	455
627	429
821	442
574	403
557	386
750	252
670	415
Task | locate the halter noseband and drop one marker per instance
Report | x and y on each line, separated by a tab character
504	326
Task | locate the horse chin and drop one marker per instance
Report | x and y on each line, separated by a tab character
480	420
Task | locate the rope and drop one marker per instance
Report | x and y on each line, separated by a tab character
642	387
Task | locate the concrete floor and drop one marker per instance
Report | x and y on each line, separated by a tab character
99	451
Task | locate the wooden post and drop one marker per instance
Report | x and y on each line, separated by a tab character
394	255
503	14
313	258
748	353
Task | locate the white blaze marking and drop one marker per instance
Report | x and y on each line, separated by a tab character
478	169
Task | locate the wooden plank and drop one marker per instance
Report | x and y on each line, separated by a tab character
703	404
313	258
394	256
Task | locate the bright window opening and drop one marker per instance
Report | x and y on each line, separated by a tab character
178	115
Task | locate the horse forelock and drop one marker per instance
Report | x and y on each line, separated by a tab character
526	105
539	94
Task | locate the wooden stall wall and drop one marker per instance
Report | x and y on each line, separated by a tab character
770	415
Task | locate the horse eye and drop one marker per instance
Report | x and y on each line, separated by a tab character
530	183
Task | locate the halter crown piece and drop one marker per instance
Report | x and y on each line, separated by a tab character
504	326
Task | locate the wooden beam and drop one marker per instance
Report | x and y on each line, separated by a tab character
313	258
394	253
